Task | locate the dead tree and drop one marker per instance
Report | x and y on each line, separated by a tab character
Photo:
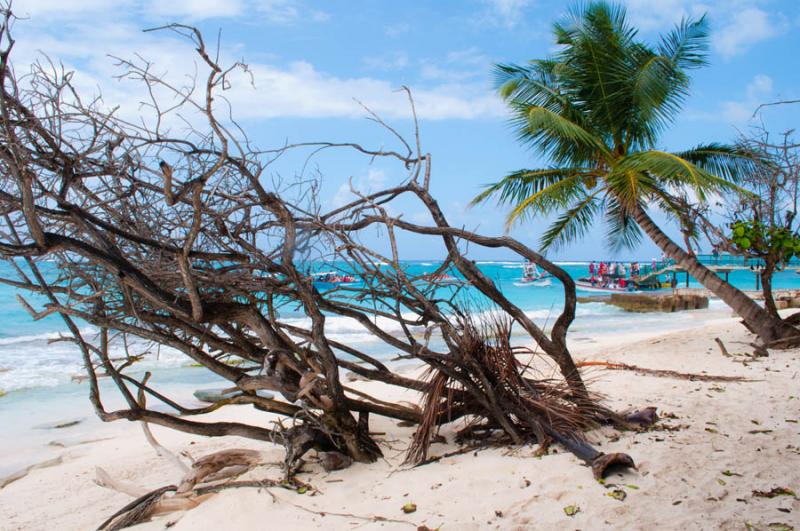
182	241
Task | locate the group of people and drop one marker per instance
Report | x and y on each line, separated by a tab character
621	270
616	274
614	269
531	273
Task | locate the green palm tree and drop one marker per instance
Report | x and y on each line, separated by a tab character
595	110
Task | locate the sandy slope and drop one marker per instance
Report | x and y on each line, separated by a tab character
679	483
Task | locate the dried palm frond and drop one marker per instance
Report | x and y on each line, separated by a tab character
484	380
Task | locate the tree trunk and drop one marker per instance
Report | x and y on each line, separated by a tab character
767	327
766	288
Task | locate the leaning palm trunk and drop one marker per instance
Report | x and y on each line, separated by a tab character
768	327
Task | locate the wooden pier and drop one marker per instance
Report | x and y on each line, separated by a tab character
777	294
722	264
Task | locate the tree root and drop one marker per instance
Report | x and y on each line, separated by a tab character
601	463
257	484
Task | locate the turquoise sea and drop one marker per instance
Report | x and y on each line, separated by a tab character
37	373
30	359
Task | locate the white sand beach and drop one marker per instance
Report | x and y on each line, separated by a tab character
716	444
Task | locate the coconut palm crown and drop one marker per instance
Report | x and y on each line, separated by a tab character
595	110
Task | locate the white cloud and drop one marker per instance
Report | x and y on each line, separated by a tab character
457	66
760	87
373	181
279	11
744	29
195	9
736	25
65	8
437	73
298	89
505	12
467	56
274	11
658	15
758	91
302	91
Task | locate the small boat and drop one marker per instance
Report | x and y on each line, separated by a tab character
592	285
443	279
531	276
332	277
541	283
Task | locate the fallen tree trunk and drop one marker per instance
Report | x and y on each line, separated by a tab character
182	244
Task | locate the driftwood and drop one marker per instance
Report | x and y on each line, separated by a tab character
192	490
219	465
137	511
104	479
160	450
722	348
661	372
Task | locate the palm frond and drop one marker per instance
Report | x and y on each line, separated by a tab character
623	231
661	82
556	196
519	185
677	172
573	224
687	45
629	186
728	162
561	136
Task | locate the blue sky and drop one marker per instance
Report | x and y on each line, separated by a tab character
311	59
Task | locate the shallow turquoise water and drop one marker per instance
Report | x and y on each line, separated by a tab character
27	360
